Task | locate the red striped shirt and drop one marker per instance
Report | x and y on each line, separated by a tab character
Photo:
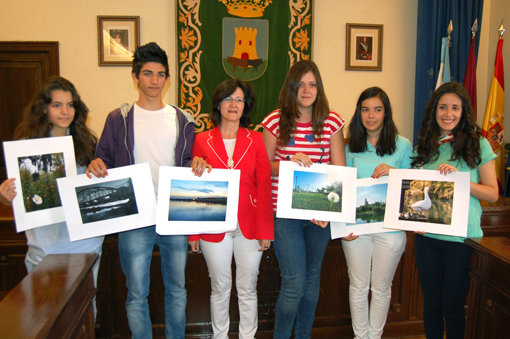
302	140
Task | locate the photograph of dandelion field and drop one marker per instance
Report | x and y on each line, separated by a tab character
192	200
102	201
427	201
313	191
38	175
316	192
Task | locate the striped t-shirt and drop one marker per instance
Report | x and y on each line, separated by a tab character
302	140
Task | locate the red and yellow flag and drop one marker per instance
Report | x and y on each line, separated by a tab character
494	119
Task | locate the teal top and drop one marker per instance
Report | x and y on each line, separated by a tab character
367	161
475	210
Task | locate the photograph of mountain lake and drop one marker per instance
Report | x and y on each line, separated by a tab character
192	200
38	175
370	203
106	200
427	201
316	191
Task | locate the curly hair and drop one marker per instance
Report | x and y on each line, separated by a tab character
467	134
150	52
386	143
225	89
289	111
35	123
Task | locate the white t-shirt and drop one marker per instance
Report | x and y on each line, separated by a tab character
155	138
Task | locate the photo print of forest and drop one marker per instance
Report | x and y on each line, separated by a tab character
427	201
38	175
370	203
313	191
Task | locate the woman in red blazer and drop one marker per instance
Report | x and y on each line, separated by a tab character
230	145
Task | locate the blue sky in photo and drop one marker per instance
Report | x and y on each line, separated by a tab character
373	193
196	188
310	181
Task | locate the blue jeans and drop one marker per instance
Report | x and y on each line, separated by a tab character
135	248
299	246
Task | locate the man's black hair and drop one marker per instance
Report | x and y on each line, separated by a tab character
150	52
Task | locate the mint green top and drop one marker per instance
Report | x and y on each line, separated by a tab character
475	210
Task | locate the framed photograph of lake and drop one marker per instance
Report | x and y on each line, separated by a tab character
188	204
370	207
427	201
318	192
36	164
124	200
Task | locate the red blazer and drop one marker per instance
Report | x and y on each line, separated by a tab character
255	210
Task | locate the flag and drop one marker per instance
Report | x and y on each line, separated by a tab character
494	119
470	76
444	68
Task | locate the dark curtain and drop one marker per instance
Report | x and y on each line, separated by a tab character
433	19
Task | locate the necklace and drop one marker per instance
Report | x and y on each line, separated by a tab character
229	148
230	162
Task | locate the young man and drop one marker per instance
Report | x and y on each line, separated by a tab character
162	135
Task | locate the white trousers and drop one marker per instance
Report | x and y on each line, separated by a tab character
218	257
372	260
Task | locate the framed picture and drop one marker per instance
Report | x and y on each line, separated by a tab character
118	37
318	192
425	200
36	164
122	201
363	50
188	204
370	207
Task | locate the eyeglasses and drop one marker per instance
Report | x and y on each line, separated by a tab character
236	100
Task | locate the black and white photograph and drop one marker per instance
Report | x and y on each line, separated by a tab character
428	201
188	204
36	165
123	200
317	192
107	200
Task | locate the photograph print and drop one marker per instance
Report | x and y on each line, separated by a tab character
428	201
122	201
36	164
370	206
316	192
192	200
188	204
103	201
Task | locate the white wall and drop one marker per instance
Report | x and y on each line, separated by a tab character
73	24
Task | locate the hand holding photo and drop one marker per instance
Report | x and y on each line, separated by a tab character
425	200
122	201
316	192
188	204
36	164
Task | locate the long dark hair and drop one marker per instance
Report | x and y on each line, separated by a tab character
386	144
35	123
289	111
467	134
225	89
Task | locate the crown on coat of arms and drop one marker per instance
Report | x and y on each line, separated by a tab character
246	8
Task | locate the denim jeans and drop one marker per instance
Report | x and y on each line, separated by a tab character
135	248
299	246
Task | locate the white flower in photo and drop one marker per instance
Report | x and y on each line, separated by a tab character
37	199
333	197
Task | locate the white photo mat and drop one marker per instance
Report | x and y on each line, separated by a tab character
452	213
188	204
309	186
61	147
373	190
99	206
